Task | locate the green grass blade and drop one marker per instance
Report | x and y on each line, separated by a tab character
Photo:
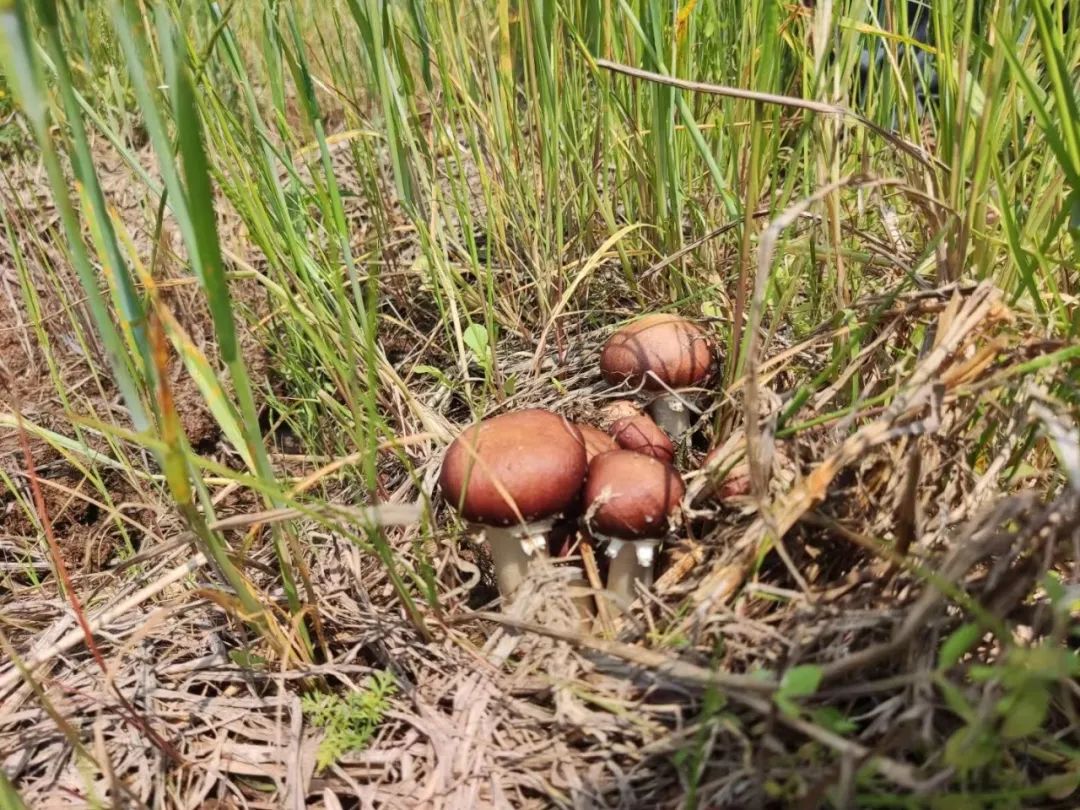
17	54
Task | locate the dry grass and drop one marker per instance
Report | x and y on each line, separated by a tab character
874	526
876	624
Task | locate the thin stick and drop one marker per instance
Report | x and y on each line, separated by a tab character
910	148
131	715
673	667
592	573
723	90
101	620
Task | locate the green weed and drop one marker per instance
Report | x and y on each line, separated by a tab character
348	722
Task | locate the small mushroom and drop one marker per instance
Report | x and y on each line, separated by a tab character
630	501
616	410
515	475
727	473
640	434
596	441
661	353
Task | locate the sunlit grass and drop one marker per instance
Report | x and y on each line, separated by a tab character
488	136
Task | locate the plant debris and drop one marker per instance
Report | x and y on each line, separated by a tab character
904	583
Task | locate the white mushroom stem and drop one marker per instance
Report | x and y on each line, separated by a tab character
512	547
631	561
671	413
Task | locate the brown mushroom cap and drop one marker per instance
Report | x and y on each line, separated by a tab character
536	457
596	441
641	434
630	496
728	472
735	484
616	410
672	348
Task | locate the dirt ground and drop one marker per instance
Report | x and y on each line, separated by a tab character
78	506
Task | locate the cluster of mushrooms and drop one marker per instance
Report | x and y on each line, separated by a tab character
531	478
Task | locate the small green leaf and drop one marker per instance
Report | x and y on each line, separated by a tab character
1072	663
797	682
476	338
801	681
1024	711
959	641
1062	785
834	720
1054	589
969	748
981	673
1046	661
786	705
433	372
773	789
1023	470
243	658
712	310
954	698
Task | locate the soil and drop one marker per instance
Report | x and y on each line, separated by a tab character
87	534
26	387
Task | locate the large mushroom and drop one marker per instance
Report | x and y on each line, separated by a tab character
630	500
660	353
515	475
563	536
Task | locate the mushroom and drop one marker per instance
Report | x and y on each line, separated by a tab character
596	441
661	353
630	501
515	475
727	471
641	434
728	482
616	410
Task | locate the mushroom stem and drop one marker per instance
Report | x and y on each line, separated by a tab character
626	569
669	411
512	547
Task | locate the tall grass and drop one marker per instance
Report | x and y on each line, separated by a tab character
517	160
497	121
538	186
